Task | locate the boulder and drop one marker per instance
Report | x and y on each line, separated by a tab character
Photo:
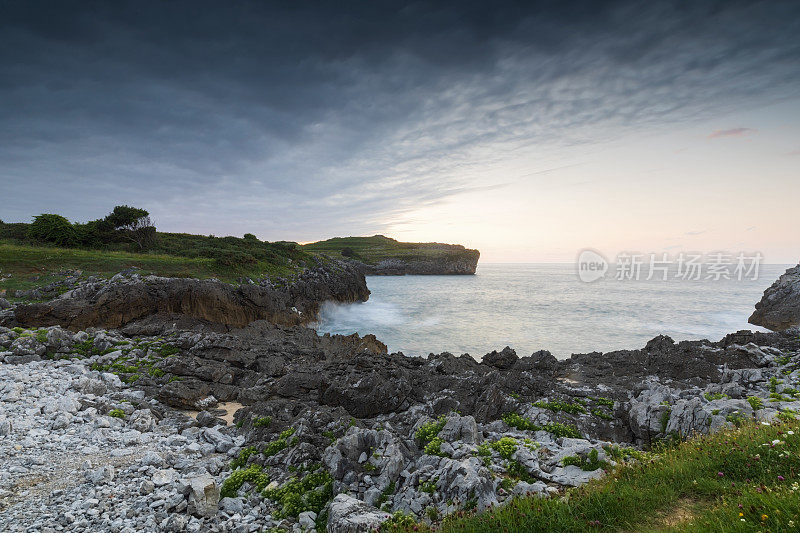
779	308
461	428
203	496
349	515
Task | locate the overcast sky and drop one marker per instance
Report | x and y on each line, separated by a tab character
528	130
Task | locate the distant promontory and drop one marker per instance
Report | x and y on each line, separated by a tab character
380	255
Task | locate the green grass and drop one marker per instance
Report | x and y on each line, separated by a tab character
371	250
34	266
701	485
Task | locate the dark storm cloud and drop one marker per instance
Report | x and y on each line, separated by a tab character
298	120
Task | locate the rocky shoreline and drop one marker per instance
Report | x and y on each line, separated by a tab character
130	429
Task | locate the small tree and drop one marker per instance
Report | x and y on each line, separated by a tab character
133	224
51	228
250	237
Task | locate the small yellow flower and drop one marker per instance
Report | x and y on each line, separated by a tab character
764	517
741	514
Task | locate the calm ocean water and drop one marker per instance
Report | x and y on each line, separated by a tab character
543	306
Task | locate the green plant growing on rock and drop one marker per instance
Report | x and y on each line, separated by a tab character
262	422
665	419
755	402
558	405
515	420
310	493
429	486
384	497
117	413
399	521
505	447
711	396
608	402
281	443
600	413
434	447
590	463
243	456
736	418
507	483
562	430
427	432
432	513
254	474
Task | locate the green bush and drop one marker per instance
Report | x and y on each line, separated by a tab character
427	432
311	493
53	229
254	475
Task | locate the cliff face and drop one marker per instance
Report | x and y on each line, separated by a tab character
779	308
465	263
122	300
380	255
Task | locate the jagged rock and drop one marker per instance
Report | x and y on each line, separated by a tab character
307	520
142	420
466	479
349	515
115	303
4	304
461	428
97	476
203	496
779	308
504	359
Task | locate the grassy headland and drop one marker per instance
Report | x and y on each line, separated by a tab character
744	479
28	261
372	250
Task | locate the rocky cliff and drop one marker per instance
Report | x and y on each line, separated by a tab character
779	308
380	255
463	263
123	300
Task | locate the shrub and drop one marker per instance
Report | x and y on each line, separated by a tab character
311	493
506	447
250	237
588	464
53	229
558	405
714	396
434	447
755	402
254	475
262	422
117	413
428	431
281	443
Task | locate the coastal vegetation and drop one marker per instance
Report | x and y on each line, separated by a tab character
372	250
740	479
50	247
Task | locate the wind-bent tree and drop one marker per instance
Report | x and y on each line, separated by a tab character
132	224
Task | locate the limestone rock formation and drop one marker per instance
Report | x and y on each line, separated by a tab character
779	308
115	303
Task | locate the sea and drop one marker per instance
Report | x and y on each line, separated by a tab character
532	307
